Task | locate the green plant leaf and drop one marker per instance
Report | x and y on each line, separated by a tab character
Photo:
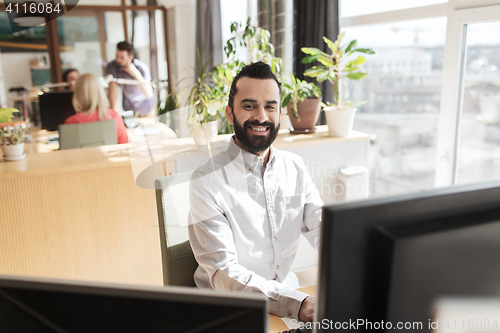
286	100
322	76
356	75
327	61
352	45
6	114
310	58
333	46
311	50
358	61
367	51
315	71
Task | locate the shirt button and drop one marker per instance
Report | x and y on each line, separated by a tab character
289	313
270	209
277	266
275	239
251	169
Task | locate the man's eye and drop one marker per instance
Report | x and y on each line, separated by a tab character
271	107
248	106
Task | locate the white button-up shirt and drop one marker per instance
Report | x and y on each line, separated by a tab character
246	220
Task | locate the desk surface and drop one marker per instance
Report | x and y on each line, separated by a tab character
276	324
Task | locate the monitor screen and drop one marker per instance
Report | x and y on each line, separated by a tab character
42	305
55	108
389	259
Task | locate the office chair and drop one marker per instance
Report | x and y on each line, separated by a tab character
98	133
172	203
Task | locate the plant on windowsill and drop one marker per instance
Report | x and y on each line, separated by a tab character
259	48
336	68
12	138
303	104
205	106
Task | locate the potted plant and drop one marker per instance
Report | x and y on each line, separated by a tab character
336	68
257	43
205	106
11	139
303	104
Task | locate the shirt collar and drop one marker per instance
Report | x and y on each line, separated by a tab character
251	160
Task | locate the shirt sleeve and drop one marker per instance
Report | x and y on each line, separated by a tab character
111	69
312	210
213	245
143	68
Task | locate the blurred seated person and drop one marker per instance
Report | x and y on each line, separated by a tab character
91	104
70	76
137	98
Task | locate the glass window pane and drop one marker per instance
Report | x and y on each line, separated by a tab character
363	7
479	143
403	91
80	44
114	33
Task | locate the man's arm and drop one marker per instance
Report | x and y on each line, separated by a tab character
212	242
113	95
145	88
312	210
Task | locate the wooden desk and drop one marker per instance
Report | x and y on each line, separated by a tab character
276	324
78	214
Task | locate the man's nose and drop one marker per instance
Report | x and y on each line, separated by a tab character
261	114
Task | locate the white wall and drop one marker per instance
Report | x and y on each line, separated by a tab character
16	71
182	41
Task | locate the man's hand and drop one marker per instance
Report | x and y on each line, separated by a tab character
132	70
306	312
145	88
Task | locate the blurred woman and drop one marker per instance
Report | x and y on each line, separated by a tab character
70	76
91	104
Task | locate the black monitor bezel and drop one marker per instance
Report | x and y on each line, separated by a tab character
345	239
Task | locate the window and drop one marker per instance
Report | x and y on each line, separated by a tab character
415	90
479	141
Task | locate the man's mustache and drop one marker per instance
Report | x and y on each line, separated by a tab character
258	123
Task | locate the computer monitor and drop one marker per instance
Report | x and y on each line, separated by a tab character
43	305
55	108
389	259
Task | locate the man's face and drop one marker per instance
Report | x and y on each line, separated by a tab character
256	114
123	58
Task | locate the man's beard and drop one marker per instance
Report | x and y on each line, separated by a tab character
255	143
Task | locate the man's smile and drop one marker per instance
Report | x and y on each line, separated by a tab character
258	130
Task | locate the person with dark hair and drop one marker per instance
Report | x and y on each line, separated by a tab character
137	98
250	203
70	76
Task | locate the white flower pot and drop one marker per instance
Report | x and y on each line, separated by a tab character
204	132
339	120
13	152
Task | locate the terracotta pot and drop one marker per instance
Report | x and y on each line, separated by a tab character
308	111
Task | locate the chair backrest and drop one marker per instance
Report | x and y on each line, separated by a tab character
172	203
98	133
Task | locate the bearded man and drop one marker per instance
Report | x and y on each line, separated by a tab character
251	203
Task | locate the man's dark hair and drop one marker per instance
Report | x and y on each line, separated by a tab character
256	70
66	73
125	46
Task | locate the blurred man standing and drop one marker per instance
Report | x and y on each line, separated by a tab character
137	98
